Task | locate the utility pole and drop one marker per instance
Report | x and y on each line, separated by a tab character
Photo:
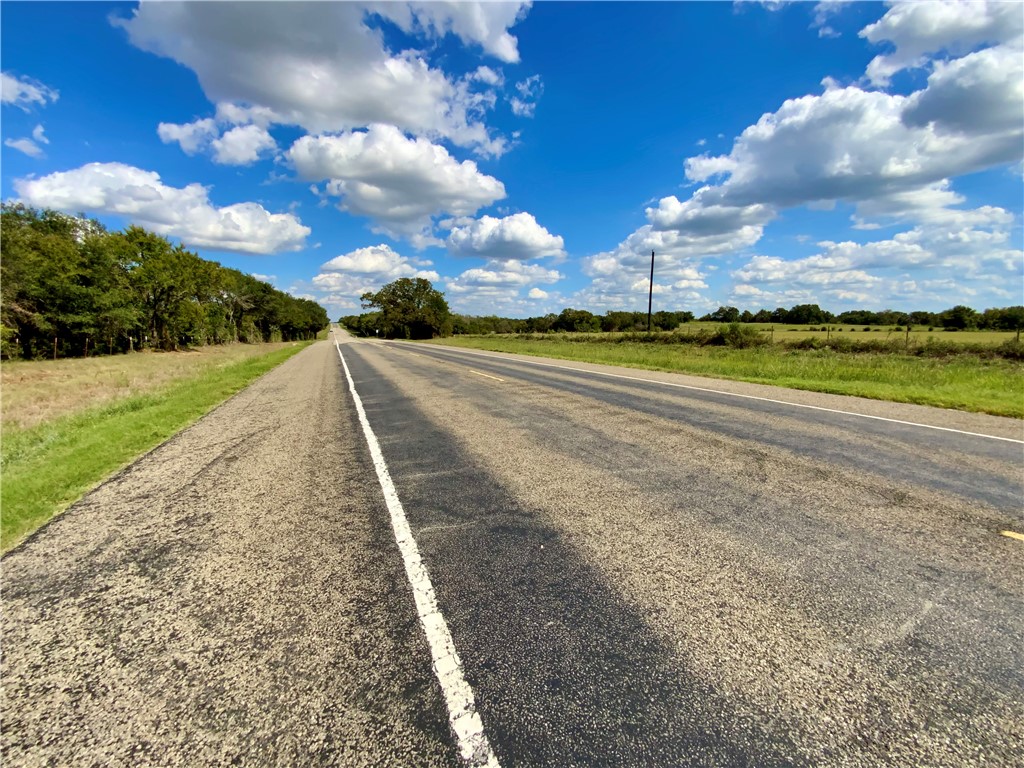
650	294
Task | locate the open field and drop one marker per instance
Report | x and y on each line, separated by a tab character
35	392
68	424
919	334
963	382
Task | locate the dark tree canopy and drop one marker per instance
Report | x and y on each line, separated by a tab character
69	287
409	308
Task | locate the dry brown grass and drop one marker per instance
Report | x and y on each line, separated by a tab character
34	392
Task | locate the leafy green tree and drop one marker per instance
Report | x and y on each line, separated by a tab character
924	318
723	315
69	287
667	321
1005	319
859	317
959	318
410	308
44	299
116	315
808	314
541	324
577	321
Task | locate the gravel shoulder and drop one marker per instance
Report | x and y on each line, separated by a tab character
234	597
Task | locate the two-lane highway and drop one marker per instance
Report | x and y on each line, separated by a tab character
632	569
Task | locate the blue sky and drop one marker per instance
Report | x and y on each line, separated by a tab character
526	158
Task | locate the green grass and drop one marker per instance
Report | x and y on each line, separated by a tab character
781	332
964	382
49	466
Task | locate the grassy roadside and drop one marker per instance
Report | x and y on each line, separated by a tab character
51	464
962	382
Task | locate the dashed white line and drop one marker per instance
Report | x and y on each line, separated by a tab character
465	721
735	394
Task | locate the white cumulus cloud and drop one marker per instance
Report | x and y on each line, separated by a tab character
242	145
488	76
342	280
185	213
192	137
483	23
918	30
854	145
502	274
968	250
237	136
399	182
381	262
322	67
981	94
499	286
517	237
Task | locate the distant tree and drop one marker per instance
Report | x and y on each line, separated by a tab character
1005	319
614	320
410	308
366	324
959	318
666	321
577	321
924	318
723	315
859	317
762	316
541	324
808	314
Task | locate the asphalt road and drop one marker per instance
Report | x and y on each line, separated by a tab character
636	569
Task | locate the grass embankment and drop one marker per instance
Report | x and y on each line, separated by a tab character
964	381
68	424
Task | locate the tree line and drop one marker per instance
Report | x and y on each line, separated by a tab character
70	288
412	309
571	320
958	318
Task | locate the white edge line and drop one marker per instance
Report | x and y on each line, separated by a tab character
465	721
733	394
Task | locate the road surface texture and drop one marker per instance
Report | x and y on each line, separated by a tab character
636	569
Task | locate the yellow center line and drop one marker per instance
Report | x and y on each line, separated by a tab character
1012	535
485	374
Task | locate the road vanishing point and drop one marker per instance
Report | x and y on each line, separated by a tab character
396	554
